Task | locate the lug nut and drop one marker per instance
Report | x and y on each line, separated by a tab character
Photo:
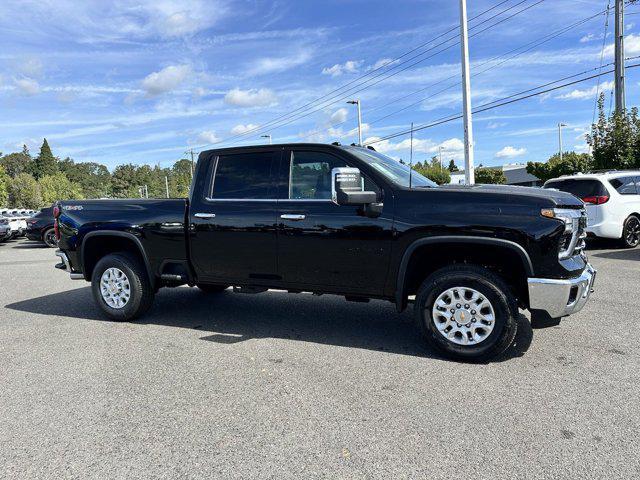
453	310
473	312
458	305
473	320
466	306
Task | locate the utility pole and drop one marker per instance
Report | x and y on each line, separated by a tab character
440	148
267	136
357	102
166	185
560	125
192	161
619	57
469	173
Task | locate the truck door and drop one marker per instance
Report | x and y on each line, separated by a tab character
324	244
233	218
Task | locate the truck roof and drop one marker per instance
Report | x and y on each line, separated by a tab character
328	146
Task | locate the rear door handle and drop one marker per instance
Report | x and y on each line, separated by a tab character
294	217
205	215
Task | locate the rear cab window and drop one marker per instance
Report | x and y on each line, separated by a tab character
243	176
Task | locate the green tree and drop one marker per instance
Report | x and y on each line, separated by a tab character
17	163
5	181
615	140
571	163
24	192
45	163
93	178
453	167
180	178
58	187
434	173
490	176
124	181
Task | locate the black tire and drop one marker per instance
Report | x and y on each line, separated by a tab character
488	285
49	238
208	288
631	232
141	291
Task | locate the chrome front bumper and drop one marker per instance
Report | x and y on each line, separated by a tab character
560	298
66	266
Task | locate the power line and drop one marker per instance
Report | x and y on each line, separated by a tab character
352	92
495	104
527	47
292	116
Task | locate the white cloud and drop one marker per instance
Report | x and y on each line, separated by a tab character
31	67
339	116
383	62
495	125
208	136
631	46
350	66
239	129
27	86
251	98
511	152
278	64
587	38
166	79
587	93
451	148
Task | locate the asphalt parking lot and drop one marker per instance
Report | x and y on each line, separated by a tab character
295	386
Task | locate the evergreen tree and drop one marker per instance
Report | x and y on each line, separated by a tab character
45	163
453	167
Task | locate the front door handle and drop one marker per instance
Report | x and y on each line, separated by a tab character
205	215
294	217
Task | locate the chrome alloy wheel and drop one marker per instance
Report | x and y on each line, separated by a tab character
463	316
115	288
632	232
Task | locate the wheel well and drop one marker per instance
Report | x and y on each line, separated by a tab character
97	247
503	261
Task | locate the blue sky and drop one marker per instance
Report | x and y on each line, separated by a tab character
141	82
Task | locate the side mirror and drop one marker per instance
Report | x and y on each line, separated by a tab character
347	187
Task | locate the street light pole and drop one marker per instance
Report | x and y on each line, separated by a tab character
440	148
267	136
560	125
469	173
357	102
619	57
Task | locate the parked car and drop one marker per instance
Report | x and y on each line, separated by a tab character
5	230
331	219
612	200
40	227
17	225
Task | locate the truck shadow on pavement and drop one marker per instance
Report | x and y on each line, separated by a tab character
228	318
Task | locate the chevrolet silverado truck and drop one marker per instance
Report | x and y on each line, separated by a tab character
343	220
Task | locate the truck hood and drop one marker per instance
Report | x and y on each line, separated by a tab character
554	197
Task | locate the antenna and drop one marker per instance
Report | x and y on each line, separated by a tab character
411	157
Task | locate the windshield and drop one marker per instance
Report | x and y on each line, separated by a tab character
393	170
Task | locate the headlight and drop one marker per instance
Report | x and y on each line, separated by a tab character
572	239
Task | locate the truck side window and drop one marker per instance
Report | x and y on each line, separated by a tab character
243	176
310	176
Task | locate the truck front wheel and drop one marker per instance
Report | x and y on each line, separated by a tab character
466	312
121	287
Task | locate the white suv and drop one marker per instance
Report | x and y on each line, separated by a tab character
612	200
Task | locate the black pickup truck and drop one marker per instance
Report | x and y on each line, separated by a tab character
344	220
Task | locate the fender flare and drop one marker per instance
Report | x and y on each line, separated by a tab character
401	300
117	233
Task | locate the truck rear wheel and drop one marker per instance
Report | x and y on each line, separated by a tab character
121	287
466	312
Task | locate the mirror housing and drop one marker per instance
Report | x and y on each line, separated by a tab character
347	187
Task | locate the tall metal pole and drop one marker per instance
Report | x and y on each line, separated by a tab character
619	57
267	136
411	158
560	125
469	173
357	103
166	185
440	148
192	161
